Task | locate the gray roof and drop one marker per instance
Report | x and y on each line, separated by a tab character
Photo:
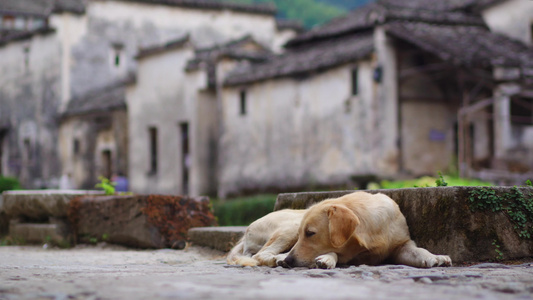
471	46
72	6
383	11
103	100
214	5
7	36
40	8
235	49
314	58
290	24
156	49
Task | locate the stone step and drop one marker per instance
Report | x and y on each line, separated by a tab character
40	233
222	238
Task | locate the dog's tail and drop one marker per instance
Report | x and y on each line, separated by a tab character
237	257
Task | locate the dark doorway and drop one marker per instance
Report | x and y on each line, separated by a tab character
107	164
185	157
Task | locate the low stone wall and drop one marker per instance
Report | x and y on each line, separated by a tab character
63	217
142	221
457	221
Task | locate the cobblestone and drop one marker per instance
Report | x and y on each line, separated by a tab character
107	272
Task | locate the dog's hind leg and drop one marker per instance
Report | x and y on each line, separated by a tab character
273	251
411	255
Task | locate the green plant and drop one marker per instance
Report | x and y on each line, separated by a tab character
107	185
528	183
244	210
515	204
440	181
499	253
9	183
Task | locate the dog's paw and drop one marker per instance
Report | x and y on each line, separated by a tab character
443	261
326	261
437	261
265	259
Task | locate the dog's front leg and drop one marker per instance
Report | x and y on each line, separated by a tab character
326	261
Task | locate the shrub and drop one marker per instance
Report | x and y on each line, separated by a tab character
9	183
243	211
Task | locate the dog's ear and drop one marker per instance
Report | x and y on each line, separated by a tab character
342	223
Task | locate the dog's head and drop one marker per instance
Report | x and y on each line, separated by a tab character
325	228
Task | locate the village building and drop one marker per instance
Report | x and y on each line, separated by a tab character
208	97
81	132
395	88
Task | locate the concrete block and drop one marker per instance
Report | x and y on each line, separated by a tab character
39	205
36	233
142	221
441	220
220	238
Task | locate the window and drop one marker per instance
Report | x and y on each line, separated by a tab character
26	58
242	97
117	56
355	84
153	149
2	138
76	146
8	22
27	151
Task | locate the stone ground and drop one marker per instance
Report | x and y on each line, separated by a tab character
110	272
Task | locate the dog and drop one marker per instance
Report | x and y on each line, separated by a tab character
267	240
358	228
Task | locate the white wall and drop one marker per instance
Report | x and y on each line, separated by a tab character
297	132
513	18
206	26
159	99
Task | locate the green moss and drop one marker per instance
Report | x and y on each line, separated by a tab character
517	205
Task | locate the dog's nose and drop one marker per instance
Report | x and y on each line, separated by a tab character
289	261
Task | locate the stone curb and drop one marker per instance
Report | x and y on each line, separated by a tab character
219	238
440	219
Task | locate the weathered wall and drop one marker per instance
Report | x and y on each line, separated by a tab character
95	133
30	89
151	103
125	27
298	132
512	18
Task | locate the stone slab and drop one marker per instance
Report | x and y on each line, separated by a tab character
440	220
56	232
219	238
141	221
39	205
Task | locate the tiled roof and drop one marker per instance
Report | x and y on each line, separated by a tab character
437	12
10	36
314	58
214	4
73	6
41	8
234	49
145	52
107	99
464	45
290	24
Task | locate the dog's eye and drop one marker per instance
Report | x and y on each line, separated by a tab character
309	233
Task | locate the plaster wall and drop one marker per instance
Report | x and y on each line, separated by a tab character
29	97
94	133
513	18
151	103
294	133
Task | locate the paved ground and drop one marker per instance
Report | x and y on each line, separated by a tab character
105	272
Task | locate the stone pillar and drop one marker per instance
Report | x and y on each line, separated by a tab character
502	118
385	107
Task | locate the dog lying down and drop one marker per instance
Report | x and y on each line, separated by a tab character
358	228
